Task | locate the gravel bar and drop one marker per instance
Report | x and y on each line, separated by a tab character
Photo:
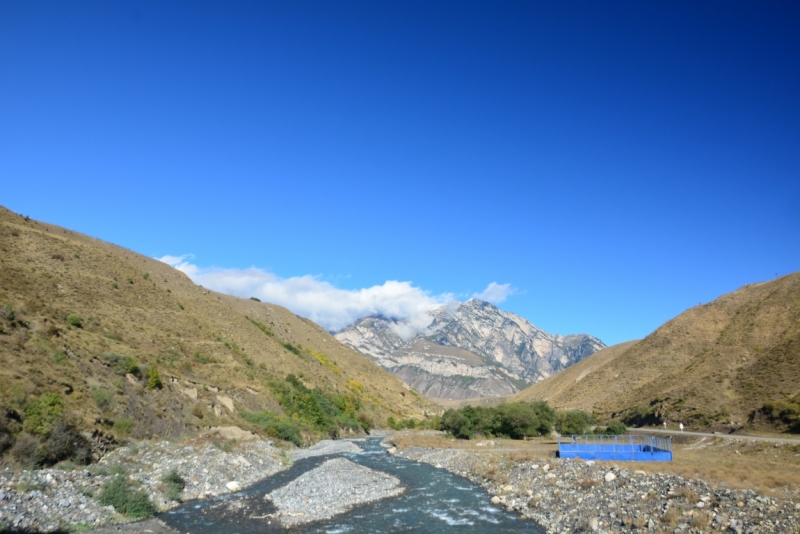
325	447
331	489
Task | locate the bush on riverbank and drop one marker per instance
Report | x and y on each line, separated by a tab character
126	498
430	422
573	421
308	411
515	420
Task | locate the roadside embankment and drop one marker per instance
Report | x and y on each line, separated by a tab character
574	496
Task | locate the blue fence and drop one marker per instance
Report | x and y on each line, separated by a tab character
623	448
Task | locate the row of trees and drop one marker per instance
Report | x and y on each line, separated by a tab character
519	420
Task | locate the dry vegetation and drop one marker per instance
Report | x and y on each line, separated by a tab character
91	322
714	366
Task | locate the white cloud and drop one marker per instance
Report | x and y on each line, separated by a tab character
320	301
496	293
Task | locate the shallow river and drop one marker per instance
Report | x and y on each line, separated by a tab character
434	501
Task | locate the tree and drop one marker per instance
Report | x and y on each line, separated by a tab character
155	380
573	421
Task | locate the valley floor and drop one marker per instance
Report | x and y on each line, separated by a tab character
714	484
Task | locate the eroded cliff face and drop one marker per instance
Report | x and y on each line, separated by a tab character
472	349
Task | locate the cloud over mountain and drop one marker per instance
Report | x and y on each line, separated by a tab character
321	301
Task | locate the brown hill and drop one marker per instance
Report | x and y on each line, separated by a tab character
715	365
214	352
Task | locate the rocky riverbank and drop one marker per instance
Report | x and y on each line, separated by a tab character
55	499
574	496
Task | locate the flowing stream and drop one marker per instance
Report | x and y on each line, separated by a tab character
435	501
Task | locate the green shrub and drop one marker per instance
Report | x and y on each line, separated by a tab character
616	428
121	493
73	319
276	426
784	411
146	276
173	485
129	280
154	382
516	420
180	306
573	422
42	412
123	426
103	398
291	348
255	299
122	365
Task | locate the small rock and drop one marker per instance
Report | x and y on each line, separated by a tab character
701	504
509	488
594	524
610	476
495	500
233	485
391	450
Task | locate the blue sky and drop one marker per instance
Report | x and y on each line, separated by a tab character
613	163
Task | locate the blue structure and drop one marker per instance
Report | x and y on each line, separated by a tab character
621	448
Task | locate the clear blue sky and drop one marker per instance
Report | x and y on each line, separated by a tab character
615	162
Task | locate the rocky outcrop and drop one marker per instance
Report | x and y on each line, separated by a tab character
471	349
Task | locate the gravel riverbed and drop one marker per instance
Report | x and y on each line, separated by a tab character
331	489
565	496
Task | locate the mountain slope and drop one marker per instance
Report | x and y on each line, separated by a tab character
715	365
214	360
498	353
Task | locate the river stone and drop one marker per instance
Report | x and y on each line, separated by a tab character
331	489
610	476
495	500
233	485
594	524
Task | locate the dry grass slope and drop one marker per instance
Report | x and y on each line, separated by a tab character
713	366
213	359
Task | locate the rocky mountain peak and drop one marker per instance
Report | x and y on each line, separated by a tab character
498	352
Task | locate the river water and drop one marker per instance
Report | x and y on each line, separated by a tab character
435	501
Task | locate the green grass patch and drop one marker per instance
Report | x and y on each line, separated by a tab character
126	497
173	485
261	326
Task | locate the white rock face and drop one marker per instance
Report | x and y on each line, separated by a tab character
473	349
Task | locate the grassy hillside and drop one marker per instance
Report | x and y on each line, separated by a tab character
733	362
87	322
